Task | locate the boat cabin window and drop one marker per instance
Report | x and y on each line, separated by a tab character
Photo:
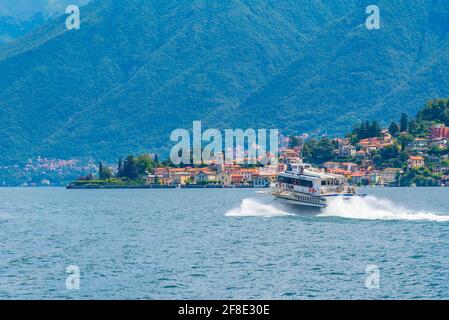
331	182
296	182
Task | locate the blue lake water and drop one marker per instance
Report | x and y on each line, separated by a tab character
221	244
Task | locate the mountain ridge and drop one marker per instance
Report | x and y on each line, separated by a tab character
137	70
19	18
24	9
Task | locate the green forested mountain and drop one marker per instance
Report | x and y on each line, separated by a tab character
136	70
348	72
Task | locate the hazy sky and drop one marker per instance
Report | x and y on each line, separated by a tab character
26	8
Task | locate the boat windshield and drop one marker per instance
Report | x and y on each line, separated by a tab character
295	181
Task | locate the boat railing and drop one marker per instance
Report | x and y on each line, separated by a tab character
337	189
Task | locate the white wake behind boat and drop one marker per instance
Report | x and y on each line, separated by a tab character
306	186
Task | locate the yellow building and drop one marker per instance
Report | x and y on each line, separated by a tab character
181	177
415	162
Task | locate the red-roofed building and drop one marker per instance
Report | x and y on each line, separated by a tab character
248	174
358	178
371	145
342	172
236	179
202	176
415	162
161	171
349	166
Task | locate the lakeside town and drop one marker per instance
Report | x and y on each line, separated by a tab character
410	152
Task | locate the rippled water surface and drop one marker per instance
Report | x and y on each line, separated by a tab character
221	244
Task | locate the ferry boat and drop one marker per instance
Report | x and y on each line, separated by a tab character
306	186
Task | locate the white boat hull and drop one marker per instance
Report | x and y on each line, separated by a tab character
301	203
300	199
311	201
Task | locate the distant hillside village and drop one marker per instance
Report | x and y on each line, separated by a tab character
44	172
407	153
